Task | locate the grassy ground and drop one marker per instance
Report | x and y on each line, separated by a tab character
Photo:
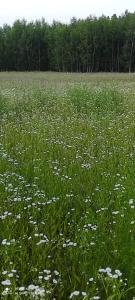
67	186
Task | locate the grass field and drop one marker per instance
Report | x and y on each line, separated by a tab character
67	186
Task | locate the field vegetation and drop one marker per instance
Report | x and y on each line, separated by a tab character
67	186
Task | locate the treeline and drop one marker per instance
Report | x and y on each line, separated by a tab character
92	45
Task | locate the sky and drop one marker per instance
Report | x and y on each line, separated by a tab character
60	10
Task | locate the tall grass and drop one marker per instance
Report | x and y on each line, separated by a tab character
67	194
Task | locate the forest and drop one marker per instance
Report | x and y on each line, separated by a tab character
104	44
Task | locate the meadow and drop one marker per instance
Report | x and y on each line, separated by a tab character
67	186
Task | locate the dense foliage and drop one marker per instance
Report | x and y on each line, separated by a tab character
90	45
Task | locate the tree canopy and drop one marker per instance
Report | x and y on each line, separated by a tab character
104	44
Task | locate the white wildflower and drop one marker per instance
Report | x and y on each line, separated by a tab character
6	282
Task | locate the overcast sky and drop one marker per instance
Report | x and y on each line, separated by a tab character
60	10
